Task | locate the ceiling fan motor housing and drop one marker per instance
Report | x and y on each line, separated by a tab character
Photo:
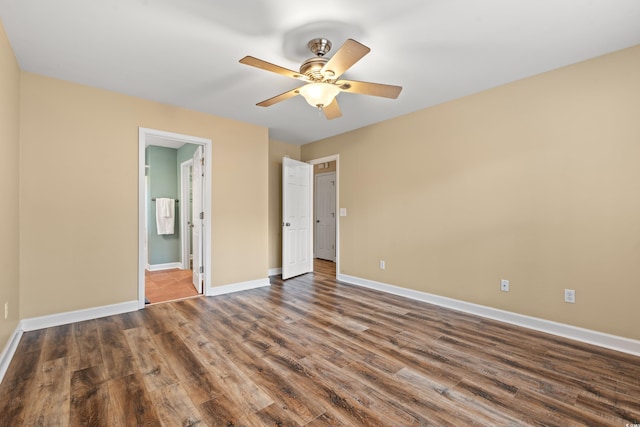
312	68
319	46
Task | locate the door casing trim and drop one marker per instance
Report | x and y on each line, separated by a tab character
143	133
336	158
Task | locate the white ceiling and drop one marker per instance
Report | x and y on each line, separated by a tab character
162	142
186	52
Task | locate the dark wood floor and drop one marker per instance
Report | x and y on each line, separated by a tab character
324	268
312	352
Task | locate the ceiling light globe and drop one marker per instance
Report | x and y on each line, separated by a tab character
319	94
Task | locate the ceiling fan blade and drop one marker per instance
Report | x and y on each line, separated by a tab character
373	89
279	98
332	111
268	66
348	54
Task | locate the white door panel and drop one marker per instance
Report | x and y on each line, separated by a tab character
197	217
296	218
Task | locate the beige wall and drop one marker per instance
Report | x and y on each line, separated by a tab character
277	150
79	213
9	187
324	167
537	182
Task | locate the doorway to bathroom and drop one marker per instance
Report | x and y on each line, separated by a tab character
174	220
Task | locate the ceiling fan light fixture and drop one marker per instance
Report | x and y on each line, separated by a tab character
322	77
319	94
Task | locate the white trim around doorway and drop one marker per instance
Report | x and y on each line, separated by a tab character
336	158
143	133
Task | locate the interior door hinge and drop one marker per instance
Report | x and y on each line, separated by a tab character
201	269
201	215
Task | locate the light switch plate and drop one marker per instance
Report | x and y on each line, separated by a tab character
343	211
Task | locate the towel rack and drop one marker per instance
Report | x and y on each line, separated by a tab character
154	199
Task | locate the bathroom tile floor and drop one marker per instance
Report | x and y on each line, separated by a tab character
168	285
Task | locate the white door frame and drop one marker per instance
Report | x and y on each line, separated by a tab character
336	158
185	217
146	220
143	133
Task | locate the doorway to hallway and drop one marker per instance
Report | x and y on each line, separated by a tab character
300	216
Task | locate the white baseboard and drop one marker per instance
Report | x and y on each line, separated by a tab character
49	321
167	266
237	287
9	350
275	271
588	336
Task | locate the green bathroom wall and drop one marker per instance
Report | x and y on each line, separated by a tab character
163	182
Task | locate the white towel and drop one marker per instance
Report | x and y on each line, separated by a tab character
164	215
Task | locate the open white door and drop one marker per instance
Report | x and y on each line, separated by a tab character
297	240
197	217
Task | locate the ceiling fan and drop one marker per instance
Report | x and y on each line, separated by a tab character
321	77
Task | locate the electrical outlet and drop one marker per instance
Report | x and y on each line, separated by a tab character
382	265
504	285
570	296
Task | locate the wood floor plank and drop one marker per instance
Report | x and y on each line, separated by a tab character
24	365
273	310
17	387
566	411
13	401
221	411
394	389
481	368
285	393
157	318
124	321
58	342
31	341
238	387
196	380
455	407
156	371
130	403
612	408
89	398
87	341
312	351
273	415
51	395
174	408
116	355
353	403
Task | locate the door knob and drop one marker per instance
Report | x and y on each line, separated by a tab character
286	224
